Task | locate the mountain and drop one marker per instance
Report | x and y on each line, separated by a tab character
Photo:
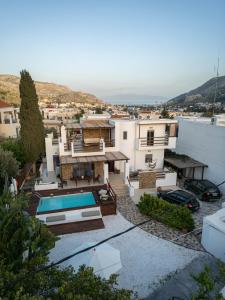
9	92
204	93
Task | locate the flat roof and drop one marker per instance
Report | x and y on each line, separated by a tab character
183	162
109	156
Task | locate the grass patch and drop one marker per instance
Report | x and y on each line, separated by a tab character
178	217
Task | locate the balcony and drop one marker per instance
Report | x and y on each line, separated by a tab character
109	143
80	148
163	142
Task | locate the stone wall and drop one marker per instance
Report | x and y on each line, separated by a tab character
147	180
66	171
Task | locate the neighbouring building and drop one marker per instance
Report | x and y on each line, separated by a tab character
114	146
203	139
9	120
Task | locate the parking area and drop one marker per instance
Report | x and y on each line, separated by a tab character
206	208
127	206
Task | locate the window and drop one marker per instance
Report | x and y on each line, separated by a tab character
148	158
125	135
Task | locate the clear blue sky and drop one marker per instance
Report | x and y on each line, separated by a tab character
111	47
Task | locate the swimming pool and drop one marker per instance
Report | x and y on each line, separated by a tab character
65	201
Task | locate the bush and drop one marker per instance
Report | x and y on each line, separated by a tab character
178	217
15	146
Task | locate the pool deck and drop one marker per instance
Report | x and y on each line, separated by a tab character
108	207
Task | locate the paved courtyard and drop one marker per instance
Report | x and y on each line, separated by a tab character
145	263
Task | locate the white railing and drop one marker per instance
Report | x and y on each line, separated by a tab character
84	149
163	142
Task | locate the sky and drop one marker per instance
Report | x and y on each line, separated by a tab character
113	48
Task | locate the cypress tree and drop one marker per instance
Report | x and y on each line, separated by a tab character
32	129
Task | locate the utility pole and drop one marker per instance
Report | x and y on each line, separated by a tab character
216	87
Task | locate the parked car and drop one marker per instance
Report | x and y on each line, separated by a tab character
205	190
180	197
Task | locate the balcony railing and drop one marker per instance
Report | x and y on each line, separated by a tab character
155	141
84	147
109	143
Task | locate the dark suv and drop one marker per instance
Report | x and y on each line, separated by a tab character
205	190
180	197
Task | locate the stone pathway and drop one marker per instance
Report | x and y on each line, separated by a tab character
130	211
206	208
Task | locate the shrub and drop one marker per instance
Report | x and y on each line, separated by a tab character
178	217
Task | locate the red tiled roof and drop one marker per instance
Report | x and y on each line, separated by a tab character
4	104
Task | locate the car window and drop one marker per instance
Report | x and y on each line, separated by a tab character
194	183
200	186
208	184
179	197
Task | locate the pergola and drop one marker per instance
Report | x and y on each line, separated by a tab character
99	164
109	156
183	162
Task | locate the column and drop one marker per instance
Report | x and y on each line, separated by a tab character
49	153
106	173
126	171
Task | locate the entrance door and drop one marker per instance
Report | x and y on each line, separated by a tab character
111	166
150	137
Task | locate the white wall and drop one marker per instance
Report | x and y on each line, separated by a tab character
205	143
50	150
9	130
128	147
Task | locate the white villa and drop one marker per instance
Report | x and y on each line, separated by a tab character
9	120
133	148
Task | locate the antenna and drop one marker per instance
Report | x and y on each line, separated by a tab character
216	87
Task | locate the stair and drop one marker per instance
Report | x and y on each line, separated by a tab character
120	189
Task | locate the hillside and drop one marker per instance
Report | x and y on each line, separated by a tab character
9	92
204	93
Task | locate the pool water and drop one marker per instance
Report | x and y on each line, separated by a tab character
65	201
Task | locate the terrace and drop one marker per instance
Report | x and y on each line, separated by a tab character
75	218
87	138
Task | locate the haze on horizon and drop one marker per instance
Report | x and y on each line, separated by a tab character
115	48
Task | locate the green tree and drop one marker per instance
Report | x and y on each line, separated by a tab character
52	130
24	246
15	146
9	167
98	110
32	129
165	114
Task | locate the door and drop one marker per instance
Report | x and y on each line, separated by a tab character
111	166
150	138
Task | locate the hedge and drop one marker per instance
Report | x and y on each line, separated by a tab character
179	217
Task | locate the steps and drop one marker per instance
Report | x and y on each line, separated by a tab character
120	189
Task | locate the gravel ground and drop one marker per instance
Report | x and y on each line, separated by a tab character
130	211
206	208
144	257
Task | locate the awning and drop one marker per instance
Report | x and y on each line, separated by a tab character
109	156
90	124
183	162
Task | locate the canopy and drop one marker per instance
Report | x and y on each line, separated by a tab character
109	156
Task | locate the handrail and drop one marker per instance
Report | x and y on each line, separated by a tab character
91	148
128	179
113	194
162	140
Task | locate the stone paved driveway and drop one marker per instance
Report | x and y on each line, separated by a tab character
129	210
